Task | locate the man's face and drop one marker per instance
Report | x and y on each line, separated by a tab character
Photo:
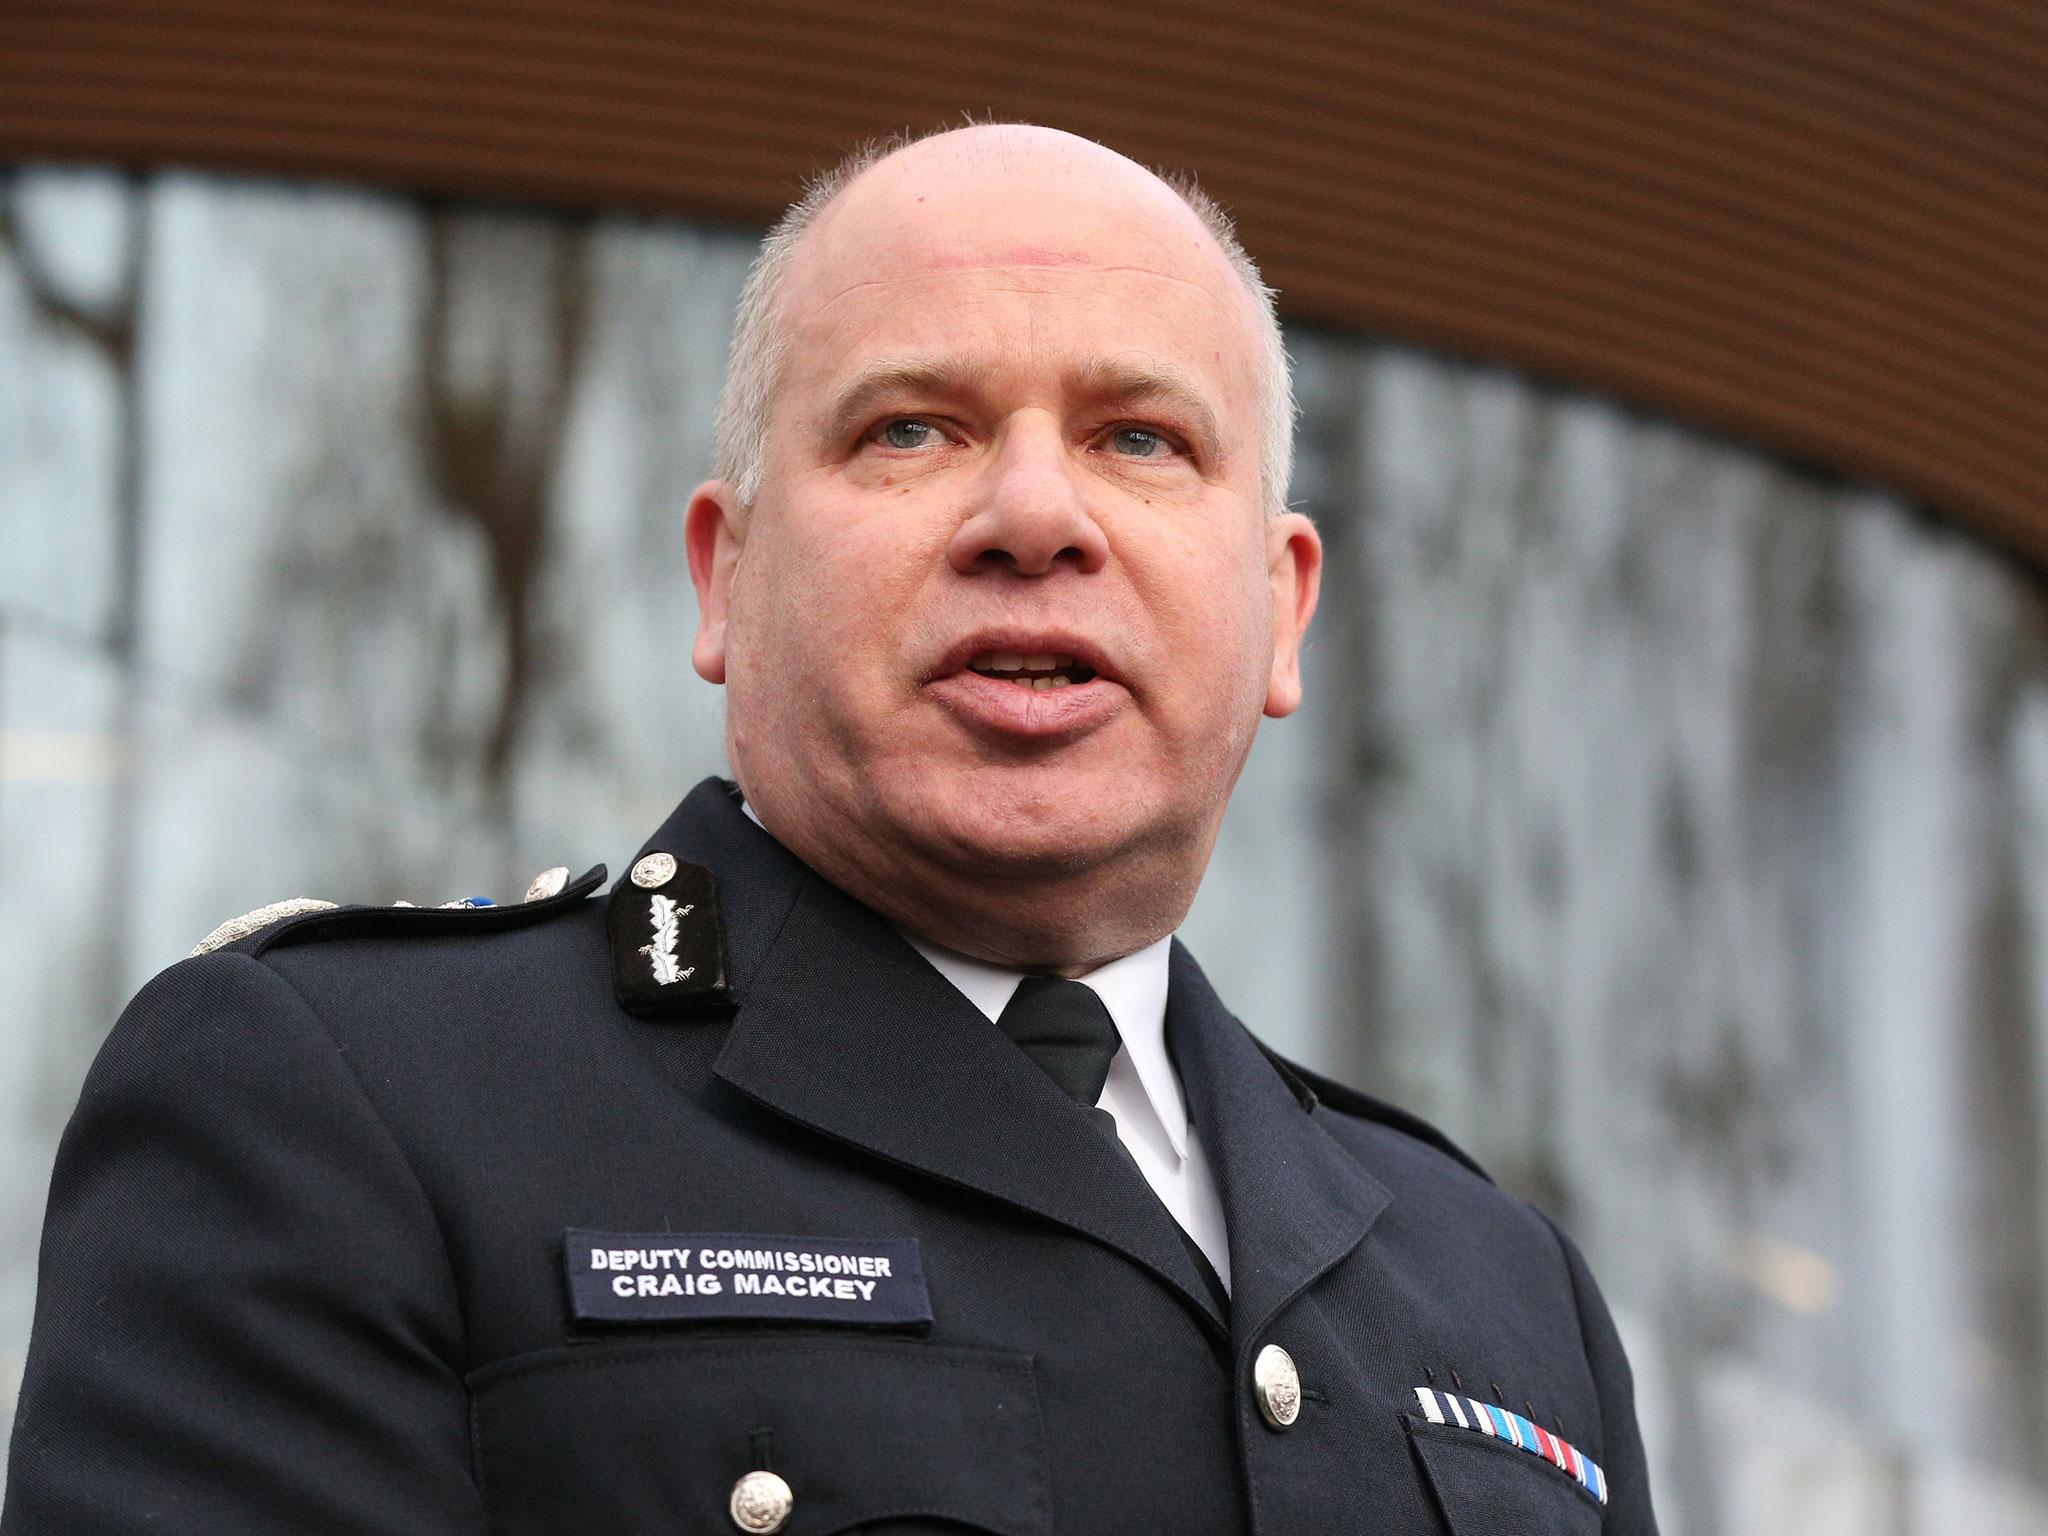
1008	598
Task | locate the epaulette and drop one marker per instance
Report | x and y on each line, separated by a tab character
1351	1102
305	917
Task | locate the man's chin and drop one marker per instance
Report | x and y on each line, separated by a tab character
1010	851
1038	834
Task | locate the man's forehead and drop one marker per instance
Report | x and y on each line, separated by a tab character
1017	254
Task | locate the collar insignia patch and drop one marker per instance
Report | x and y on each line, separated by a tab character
1487	1419
681	1277
667	939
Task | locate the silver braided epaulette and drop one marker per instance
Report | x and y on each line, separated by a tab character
546	886
249	922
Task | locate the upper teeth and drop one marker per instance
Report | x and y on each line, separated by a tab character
1037	669
1011	661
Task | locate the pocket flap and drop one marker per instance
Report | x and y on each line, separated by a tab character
1487	1488
653	1437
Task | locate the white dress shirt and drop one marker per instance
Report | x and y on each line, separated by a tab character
1143	1091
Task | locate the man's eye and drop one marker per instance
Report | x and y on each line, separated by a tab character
907	432
1138	443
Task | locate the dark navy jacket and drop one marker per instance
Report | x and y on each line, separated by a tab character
304	1263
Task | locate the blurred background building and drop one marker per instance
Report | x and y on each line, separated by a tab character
1669	818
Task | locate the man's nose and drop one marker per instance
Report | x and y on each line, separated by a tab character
1030	513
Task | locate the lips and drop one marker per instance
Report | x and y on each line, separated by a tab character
1026	688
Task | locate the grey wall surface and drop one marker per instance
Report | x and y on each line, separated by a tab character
1668	823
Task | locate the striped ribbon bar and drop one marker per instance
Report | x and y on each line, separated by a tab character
1501	1424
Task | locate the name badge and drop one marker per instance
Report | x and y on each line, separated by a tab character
666	1277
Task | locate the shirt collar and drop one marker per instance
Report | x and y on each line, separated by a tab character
1132	988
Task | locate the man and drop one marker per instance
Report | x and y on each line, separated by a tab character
797	1184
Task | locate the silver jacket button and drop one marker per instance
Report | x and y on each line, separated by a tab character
657	869
1276	1386
761	1502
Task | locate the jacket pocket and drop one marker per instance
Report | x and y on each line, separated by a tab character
882	1434
1484	1487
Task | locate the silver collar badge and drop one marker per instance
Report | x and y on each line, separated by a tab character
662	952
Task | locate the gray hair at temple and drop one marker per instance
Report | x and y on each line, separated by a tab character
740	439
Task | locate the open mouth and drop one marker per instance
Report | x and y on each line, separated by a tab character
1045	670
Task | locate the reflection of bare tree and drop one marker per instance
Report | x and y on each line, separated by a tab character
503	333
109	326
110	330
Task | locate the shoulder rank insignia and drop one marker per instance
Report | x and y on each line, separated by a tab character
668	942
249	922
288	921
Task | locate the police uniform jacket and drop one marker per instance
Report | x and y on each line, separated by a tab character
426	1221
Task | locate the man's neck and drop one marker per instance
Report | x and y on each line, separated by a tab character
985	939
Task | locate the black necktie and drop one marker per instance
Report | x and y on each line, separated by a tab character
1064	1027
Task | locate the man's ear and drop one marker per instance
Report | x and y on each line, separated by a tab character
713	533
1294	563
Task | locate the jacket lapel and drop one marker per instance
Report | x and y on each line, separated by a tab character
1296	1202
844	1028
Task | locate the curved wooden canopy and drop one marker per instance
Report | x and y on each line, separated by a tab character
1818	224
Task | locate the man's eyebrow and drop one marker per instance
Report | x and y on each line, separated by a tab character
885	377
1136	384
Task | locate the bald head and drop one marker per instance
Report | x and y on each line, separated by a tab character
907	201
